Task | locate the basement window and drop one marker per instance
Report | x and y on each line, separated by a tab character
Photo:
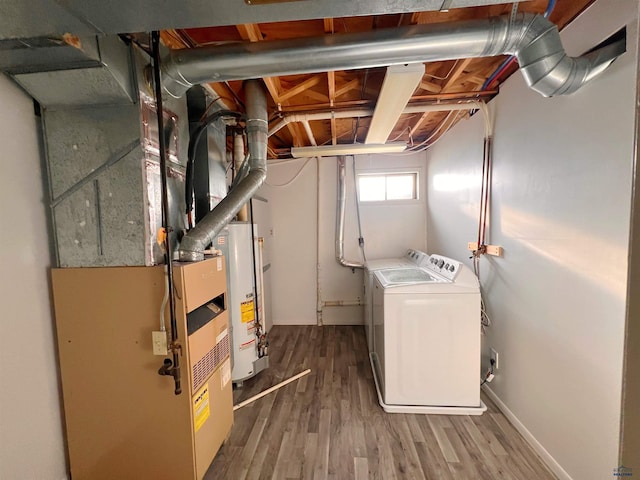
384	187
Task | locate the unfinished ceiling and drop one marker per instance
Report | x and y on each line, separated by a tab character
336	91
331	98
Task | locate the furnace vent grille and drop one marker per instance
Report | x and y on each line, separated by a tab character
207	364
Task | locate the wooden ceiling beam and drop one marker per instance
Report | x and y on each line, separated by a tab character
328	25
430	86
250	31
427	99
418	124
301	87
457	71
347	87
454	79
472	77
331	82
319	96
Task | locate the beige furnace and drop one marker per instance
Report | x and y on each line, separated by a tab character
123	420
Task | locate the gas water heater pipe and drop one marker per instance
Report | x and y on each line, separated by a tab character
169	367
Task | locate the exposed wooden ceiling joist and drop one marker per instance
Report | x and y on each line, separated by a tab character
333	90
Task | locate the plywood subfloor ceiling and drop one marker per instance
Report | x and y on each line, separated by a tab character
455	80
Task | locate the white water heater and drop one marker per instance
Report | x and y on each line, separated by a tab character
239	244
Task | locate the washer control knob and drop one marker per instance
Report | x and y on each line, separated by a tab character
452	268
440	263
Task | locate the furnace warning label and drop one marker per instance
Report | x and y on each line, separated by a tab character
201	410
246	309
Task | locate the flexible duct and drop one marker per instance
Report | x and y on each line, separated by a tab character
340	214
194	243
532	38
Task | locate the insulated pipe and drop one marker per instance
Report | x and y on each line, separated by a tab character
367	112
341	204
194	243
307	128
532	38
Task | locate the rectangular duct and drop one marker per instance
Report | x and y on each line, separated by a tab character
104	177
70	71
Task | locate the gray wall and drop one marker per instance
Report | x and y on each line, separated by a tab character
31	439
561	203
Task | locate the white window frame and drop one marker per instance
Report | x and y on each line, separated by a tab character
385	173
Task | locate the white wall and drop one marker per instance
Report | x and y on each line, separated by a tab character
388	231
561	198
31	439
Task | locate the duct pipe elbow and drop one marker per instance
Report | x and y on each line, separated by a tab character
548	69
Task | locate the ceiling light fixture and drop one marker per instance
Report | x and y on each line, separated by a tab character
400	82
347	149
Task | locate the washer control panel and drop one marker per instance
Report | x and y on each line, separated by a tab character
445	266
416	256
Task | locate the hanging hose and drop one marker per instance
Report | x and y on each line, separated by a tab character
169	367
191	158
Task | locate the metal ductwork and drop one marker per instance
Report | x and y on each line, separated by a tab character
532	38
195	242
340	214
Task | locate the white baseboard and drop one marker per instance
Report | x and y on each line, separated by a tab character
546	457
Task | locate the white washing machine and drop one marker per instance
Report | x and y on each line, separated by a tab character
426	352
411	258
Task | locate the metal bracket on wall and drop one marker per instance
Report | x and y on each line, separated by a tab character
494	250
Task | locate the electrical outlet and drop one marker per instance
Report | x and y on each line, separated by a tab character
159	341
494	357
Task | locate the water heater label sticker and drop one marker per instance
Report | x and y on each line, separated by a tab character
251	328
225	371
201	410
249	344
221	240
219	263
221	336
246	309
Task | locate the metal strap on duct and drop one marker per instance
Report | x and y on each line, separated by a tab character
532	38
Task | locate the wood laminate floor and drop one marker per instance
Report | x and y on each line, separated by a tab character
328	425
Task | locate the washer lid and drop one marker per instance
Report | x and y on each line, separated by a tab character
404	276
383	263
